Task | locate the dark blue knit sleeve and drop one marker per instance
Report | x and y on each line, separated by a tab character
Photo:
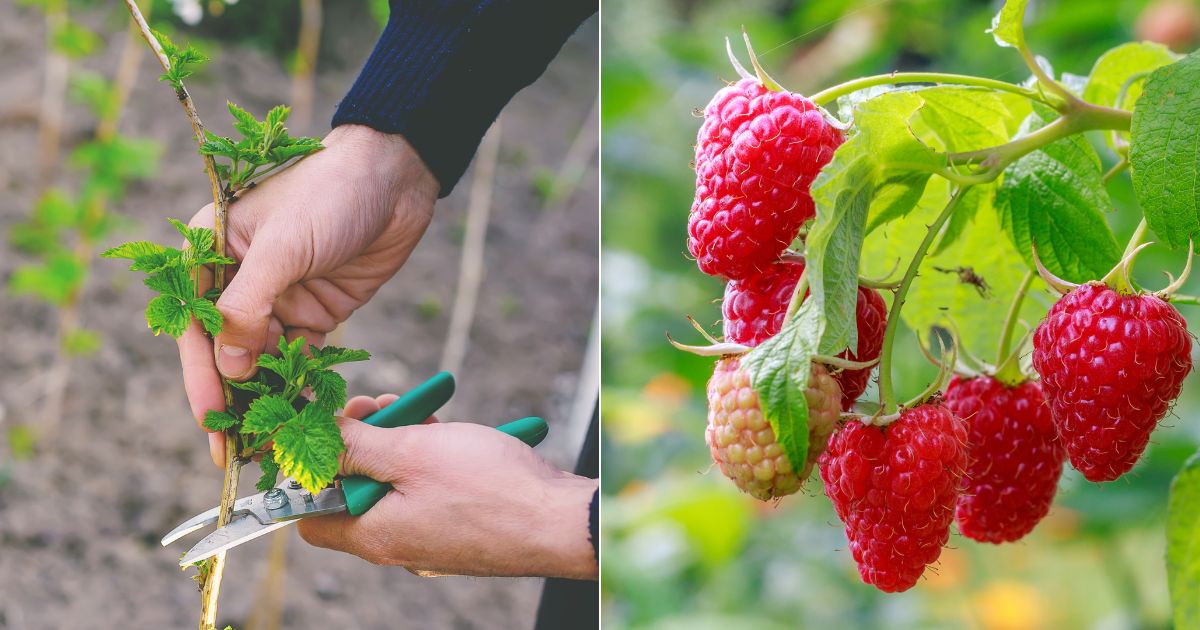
443	69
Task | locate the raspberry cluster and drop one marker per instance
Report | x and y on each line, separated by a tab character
1111	366
757	154
742	442
895	489
754	309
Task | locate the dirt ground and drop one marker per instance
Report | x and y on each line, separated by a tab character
80	519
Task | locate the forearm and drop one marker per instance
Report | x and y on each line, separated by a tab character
442	71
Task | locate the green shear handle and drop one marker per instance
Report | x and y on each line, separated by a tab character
413	408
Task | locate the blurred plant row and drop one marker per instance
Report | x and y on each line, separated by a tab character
682	547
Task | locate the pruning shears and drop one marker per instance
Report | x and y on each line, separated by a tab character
287	502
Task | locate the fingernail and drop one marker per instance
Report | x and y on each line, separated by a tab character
234	362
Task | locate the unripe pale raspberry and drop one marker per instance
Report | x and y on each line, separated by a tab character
1016	457
742	442
754	309
757	154
895	488
1111	365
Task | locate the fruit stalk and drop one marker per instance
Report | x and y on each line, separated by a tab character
831	94
1008	369
887	397
210	587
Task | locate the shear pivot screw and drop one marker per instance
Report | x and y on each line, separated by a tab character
294	485
274	499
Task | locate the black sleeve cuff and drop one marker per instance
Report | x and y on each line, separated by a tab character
594	524
443	69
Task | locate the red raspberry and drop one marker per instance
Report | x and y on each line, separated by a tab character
1111	366
741	439
895	488
756	156
1016	457
754	308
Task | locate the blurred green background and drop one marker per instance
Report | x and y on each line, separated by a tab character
682	548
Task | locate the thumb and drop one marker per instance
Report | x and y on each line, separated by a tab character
246	307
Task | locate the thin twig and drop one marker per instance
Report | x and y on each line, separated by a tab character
470	271
575	162
211	588
307	47
54	90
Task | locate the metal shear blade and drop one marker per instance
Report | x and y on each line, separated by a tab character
256	515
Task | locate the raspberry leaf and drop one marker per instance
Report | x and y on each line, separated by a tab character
1165	151
219	420
1007	27
1183	544
1119	65
267	414
207	313
880	171
779	371
307	448
169	314
937	297
956	118
330	389
333	355
1054	198
270	472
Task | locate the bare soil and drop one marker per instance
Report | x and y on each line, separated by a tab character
81	517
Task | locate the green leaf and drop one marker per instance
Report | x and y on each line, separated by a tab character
218	145
219	420
207	313
329	387
173	281
133	250
113	163
283	154
169	314
1008	25
307	448
156	262
779	371
277	116
146	256
81	342
270	472
56	280
1183	545
1164	152
244	122
200	238
168	46
937	297
333	355
1054	198
258	387
955	118
72	39
266	414
1118	65
879	171
95	91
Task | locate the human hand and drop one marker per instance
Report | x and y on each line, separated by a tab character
468	500
314	243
